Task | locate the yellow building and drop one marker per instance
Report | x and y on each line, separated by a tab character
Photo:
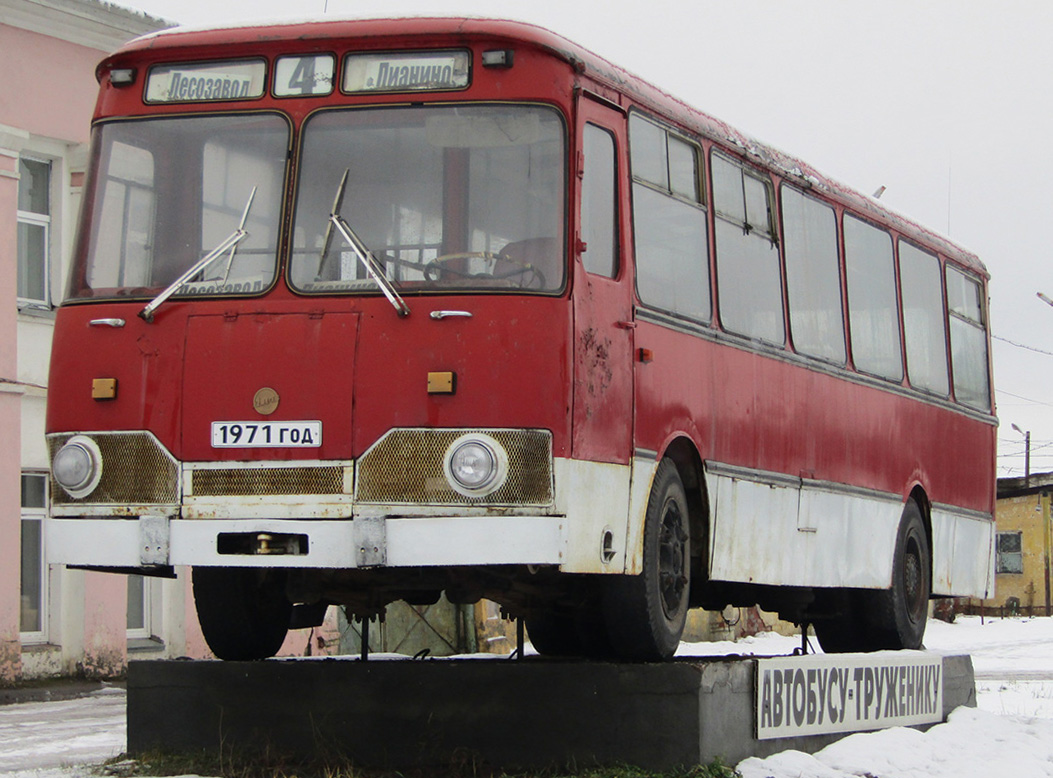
1022	550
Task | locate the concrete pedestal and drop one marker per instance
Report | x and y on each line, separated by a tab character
531	713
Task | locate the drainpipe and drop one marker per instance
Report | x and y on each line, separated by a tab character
1046	539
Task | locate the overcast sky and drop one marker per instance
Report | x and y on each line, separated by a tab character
946	103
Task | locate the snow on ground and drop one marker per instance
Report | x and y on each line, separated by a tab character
1010	733
37	735
973	743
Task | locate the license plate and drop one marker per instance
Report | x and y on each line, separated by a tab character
266	434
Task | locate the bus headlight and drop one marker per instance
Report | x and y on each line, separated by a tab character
476	465
77	466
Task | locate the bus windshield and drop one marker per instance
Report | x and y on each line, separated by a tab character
165	193
444	197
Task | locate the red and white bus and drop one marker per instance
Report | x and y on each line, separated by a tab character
365	311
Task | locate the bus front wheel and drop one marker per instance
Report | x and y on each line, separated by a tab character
645	614
244	612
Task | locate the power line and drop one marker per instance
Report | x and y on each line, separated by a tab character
1021	397
1022	345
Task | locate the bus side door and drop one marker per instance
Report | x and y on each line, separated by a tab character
603	311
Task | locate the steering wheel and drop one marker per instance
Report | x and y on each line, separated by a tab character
437	268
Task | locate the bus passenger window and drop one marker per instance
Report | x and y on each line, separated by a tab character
599	205
749	283
923	322
813	277
669	222
873	314
965	308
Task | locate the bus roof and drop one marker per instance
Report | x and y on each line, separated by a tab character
211	41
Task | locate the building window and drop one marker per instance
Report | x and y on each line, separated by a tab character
34	227
33	616
138	620
143	616
1010	557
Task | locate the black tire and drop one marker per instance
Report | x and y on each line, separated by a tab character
899	614
243	612
581	632
645	614
847	631
554	634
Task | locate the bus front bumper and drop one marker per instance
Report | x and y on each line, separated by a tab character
157	541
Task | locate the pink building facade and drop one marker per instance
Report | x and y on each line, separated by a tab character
55	621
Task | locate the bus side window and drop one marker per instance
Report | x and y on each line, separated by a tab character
923	319
749	283
813	276
873	314
669	222
965	309
599	203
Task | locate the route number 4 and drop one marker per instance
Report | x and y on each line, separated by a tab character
310	75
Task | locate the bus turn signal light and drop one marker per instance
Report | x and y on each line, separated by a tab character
442	383
104	388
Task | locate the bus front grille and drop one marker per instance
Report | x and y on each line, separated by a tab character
269	481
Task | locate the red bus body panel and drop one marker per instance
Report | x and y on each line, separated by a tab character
361	370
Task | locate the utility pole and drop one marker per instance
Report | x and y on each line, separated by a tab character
1027	455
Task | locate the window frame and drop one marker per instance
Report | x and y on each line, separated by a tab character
1000	567
37	513
665	189
294	270
980	326
842	360
148	634
588	207
770	233
910	343
37	219
900	376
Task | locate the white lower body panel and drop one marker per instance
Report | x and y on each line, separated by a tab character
778	530
963	562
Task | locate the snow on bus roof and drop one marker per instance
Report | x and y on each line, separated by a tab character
646	94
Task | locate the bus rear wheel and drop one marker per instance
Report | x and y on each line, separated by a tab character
899	614
244	612
892	618
645	614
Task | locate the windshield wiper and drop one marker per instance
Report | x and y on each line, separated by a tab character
229	244
365	256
